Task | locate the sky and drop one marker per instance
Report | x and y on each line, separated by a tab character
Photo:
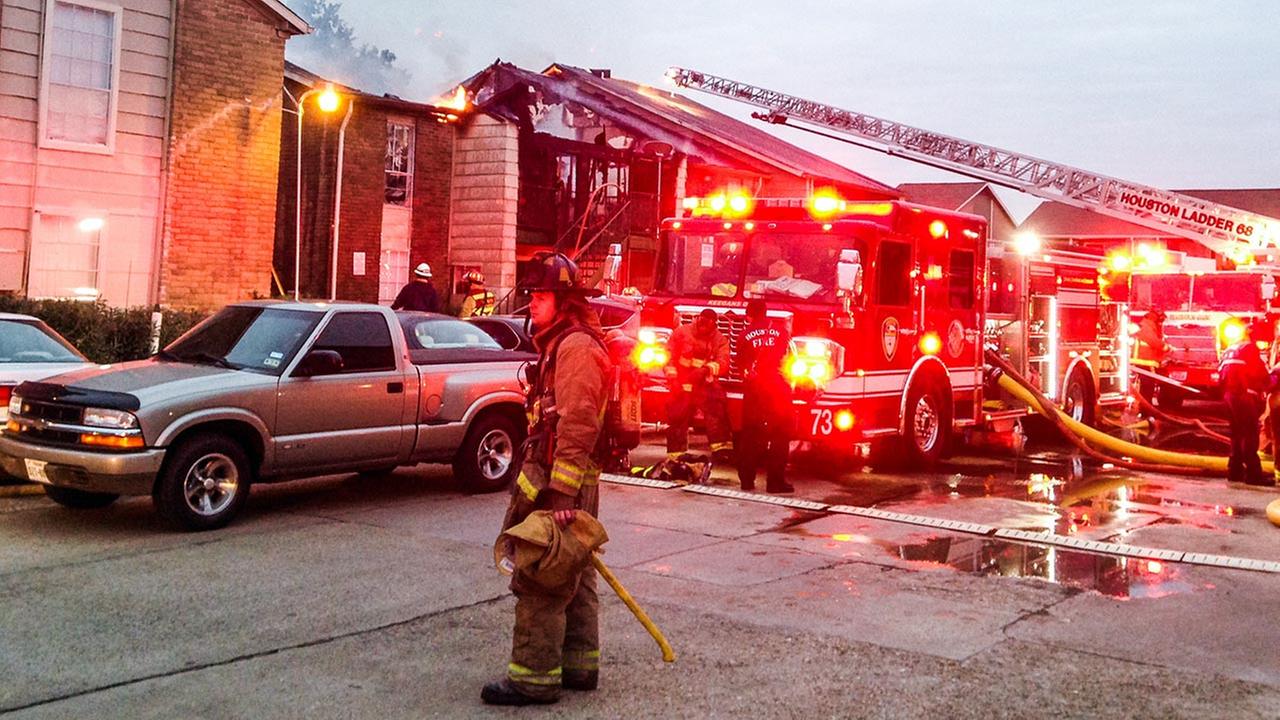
1173	94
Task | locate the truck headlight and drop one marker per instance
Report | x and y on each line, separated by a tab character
816	361
651	352
12	407
114	419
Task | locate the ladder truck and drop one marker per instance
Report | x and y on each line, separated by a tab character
899	359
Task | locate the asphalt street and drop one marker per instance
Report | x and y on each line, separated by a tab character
346	597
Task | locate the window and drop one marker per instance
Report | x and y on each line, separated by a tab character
893	273
64	257
362	339
399	167
438	334
1002	296
248	337
960	282
80	74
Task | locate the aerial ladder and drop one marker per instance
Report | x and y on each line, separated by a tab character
1231	232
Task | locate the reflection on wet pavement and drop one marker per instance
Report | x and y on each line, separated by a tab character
1117	577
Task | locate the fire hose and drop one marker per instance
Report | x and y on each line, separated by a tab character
1094	442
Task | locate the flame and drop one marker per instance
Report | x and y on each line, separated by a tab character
457	102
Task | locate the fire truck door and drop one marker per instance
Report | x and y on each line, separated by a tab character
892	314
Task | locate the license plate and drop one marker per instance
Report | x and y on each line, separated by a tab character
1179	375
35	470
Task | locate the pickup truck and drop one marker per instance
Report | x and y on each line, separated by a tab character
266	391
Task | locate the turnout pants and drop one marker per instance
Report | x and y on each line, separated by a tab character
766	432
556	633
1245	409
684	403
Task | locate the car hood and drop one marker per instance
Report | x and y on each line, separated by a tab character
14	373
152	380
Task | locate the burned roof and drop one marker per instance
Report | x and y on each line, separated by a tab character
306	78
1054	219
662	115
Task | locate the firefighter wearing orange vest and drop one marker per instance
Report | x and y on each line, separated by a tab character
477	302
1244	380
699	357
556	640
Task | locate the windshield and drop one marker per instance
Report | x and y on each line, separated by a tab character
1161	292
249	338
1231	292
437	334
28	342
729	264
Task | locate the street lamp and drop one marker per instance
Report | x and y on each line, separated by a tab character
329	101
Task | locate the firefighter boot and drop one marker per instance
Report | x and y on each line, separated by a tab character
580	679
502	692
780	487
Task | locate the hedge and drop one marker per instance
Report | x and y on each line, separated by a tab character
104	334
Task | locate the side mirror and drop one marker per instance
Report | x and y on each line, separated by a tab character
1268	288
849	273
319	362
613	268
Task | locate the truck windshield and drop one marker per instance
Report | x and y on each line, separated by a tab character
1230	292
733	264
796	265
246	337
1161	292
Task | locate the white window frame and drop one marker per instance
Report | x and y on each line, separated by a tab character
413	149
46	58
75	215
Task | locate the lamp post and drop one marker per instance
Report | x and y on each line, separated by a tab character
328	103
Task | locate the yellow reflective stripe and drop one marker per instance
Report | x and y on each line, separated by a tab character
675	454
721	446
697	363
687	387
568	474
527	487
582	659
714	367
687	362
522	674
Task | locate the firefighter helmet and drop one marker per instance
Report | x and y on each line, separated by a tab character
475	277
555	272
423	270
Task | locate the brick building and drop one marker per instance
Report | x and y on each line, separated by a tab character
138	148
396	161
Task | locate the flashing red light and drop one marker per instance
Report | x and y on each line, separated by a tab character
937	228
844	420
930	343
825	203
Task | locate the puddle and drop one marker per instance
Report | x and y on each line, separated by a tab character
1116	577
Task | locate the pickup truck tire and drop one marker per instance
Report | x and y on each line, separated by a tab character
487	460
79	499
203	484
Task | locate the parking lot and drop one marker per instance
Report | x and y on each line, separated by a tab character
350	597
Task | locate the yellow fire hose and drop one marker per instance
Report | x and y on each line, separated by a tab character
668	655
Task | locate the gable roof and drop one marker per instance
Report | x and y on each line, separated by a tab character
950	195
690	127
296	73
290	18
1055	219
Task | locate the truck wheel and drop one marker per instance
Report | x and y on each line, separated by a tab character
203	484
928	426
79	499
1077	398
487	461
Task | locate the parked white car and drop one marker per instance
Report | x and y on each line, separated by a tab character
31	350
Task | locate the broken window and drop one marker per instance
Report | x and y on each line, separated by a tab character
399	167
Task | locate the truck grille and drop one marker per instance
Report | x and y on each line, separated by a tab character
52	413
1192	344
733	326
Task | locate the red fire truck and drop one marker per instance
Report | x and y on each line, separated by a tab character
885	301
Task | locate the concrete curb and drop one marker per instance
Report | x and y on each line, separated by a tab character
8	491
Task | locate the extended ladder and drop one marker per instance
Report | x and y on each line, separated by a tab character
1226	230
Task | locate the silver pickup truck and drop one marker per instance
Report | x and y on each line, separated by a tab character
267	391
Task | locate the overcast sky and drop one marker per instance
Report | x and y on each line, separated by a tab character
1172	93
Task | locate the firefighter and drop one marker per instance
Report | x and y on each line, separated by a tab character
699	356
766	401
556	641
476	300
1244	380
419	293
1149	350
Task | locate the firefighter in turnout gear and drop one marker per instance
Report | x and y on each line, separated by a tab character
1244	380
766	401
476	301
556	639
699	357
1149	351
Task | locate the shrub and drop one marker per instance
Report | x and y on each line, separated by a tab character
104	334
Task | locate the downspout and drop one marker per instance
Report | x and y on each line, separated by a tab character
162	220
337	201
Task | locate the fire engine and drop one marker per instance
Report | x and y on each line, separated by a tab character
899	333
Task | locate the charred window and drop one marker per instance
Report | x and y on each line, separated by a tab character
960	280
399	164
893	273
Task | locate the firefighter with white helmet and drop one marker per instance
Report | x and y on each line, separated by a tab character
556	643
419	293
477	301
